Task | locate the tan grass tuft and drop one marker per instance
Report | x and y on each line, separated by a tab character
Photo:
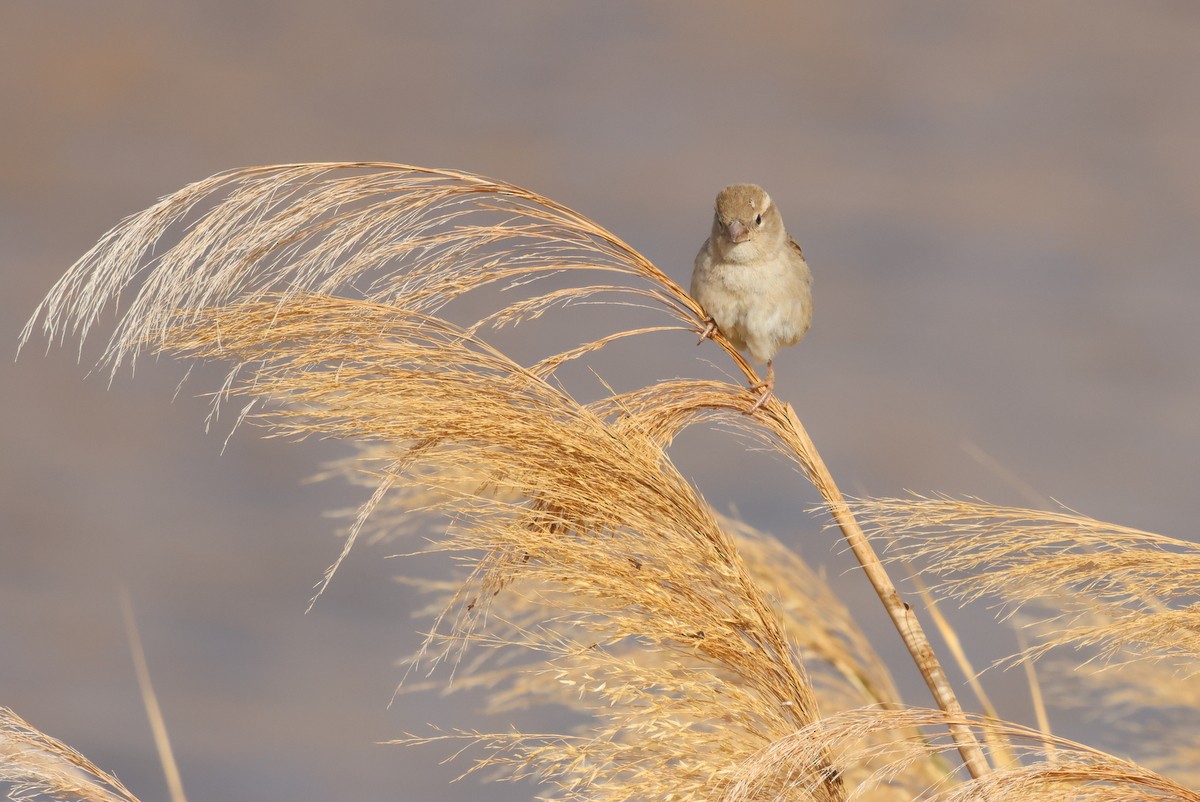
389	234
328	288
1107	586
594	523
670	703
1048	768
33	764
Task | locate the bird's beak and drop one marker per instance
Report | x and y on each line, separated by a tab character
736	231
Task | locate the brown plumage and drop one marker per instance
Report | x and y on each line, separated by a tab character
751	278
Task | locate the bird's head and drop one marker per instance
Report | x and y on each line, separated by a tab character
746	224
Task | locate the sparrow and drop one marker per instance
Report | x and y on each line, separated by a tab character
751	279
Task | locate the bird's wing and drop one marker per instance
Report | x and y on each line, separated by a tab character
795	246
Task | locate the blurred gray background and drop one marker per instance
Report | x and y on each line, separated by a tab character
999	203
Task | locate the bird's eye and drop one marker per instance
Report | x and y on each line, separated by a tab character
758	220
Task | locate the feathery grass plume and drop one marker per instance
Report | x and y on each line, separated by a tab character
1049	768
842	661
327	285
632	681
33	765
1143	585
388	234
598	522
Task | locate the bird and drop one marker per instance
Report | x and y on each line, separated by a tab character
751	279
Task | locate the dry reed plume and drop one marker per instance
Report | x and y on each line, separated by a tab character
1111	587
1121	599
35	765
710	662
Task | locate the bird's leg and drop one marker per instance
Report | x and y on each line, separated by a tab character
710	326
767	388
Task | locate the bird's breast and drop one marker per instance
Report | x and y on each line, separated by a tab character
759	307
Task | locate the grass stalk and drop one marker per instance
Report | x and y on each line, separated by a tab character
786	425
900	612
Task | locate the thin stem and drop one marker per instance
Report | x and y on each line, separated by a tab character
789	429
898	610
157	722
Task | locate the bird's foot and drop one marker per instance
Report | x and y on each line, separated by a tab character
710	326
767	386
767	395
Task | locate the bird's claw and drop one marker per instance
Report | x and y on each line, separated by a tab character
767	386
710	326
766	396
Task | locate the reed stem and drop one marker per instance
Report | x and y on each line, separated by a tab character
906	623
